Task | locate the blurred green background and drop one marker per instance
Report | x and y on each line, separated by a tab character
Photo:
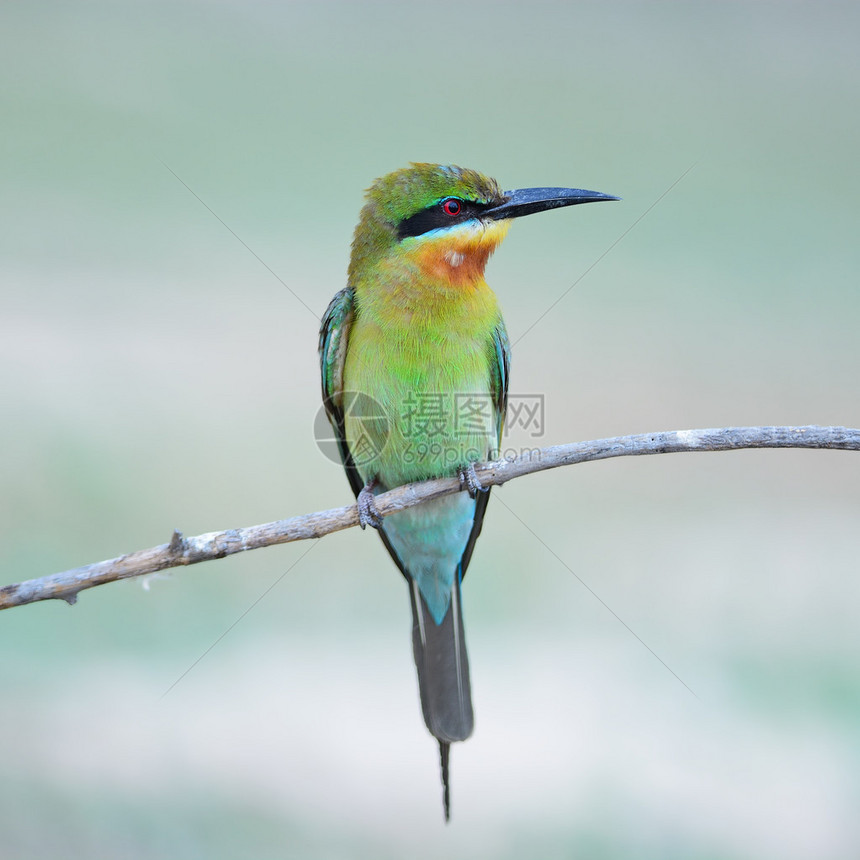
157	376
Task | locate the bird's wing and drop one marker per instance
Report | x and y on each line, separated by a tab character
499	373
334	337
500	367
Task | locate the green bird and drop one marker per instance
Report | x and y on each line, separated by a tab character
415	361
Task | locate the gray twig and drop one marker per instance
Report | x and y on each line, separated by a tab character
190	550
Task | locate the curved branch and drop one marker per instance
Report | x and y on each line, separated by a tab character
183	551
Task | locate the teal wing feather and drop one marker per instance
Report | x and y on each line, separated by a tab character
500	372
334	336
334	339
500	368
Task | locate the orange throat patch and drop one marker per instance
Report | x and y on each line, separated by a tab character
459	256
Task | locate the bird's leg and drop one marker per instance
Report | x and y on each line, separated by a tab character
368	513
470	482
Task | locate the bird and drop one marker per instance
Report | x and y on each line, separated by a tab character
415	362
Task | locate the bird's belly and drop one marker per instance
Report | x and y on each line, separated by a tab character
421	404
400	432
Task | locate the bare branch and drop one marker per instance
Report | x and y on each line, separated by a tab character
183	551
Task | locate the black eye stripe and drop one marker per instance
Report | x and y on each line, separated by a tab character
435	217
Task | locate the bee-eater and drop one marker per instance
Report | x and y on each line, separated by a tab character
415	360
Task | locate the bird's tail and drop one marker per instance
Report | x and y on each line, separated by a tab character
443	675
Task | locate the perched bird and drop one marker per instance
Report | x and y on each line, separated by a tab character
415	360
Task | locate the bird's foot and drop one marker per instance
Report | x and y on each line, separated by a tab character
469	481
368	513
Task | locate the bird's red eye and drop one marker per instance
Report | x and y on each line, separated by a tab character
451	207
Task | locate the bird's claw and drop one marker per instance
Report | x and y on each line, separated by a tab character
368	513
470	482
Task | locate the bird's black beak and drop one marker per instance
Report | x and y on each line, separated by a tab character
526	201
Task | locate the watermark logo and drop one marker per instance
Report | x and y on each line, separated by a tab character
366	416
526	412
436	414
435	426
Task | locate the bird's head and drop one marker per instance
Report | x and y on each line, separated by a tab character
444	220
